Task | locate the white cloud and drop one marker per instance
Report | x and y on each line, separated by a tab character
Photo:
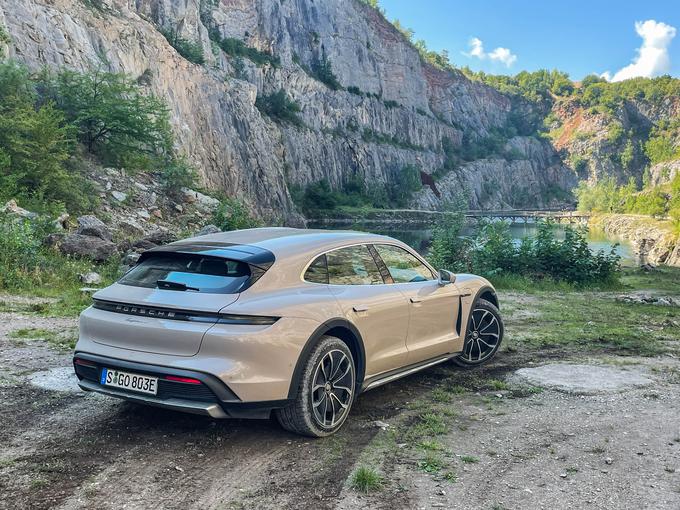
652	58
502	55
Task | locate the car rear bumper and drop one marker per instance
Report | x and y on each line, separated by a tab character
210	398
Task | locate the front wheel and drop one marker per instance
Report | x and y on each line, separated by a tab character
326	391
483	336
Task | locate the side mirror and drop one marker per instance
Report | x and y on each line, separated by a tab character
446	277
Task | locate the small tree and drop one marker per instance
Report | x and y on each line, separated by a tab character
190	50
113	116
323	71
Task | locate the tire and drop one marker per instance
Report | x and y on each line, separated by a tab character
483	335
329	376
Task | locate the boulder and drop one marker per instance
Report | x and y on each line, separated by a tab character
92	226
119	195
130	258
160	237
90	278
202	201
12	207
208	229
91	247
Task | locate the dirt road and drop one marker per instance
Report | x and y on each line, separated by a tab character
496	444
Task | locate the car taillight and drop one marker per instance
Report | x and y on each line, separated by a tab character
187	380
84	362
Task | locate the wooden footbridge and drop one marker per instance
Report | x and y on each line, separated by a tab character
531	216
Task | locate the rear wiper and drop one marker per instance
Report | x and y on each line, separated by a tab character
168	285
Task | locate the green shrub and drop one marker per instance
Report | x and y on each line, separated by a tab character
355	90
279	107
233	215
492	252
322	70
190	50
542	256
366	479
319	196
4	39
406	182
178	174
35	146
113	116
450	249
237	48
660	147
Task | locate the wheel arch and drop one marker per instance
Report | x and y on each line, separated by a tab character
489	294
345	331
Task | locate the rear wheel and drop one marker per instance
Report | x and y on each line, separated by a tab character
483	336
326	391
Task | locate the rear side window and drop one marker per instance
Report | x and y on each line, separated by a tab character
353	265
186	272
317	272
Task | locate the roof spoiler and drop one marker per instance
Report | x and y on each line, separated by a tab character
251	255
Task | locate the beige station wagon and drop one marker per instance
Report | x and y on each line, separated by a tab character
290	321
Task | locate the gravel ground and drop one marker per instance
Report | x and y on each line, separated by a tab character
551	449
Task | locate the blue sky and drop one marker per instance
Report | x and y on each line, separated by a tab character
579	36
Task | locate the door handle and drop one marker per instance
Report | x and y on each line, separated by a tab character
416	300
360	308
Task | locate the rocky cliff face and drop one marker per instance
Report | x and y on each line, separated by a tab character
390	112
598	144
653	241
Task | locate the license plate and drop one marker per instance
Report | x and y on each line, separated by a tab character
128	381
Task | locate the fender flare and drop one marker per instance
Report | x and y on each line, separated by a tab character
482	290
314	340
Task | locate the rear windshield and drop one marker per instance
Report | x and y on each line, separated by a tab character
196	272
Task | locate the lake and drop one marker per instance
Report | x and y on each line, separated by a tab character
419	237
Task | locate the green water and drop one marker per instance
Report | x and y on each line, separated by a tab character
420	237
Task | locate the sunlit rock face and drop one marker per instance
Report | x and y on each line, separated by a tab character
392	110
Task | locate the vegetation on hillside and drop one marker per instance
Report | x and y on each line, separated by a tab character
48	120
190	50
27	265
238	49
607	197
279	107
319	198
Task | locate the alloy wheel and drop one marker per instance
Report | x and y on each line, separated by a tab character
482	337
332	388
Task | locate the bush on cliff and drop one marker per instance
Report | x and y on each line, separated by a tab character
279	107
190	50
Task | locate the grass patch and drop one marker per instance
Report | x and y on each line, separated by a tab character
433	424
495	384
441	395
431	463
450	477
596	321
431	445
366	479
31	333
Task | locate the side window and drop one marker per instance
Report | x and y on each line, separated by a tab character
352	266
403	266
317	272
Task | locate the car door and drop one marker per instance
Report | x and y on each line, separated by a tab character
433	308
379	311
